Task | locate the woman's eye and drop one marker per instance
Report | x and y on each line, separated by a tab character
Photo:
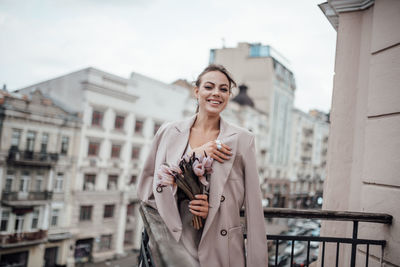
224	89
208	87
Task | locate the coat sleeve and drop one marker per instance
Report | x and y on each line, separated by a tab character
257	251
146	177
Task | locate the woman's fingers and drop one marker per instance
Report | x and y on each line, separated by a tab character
199	206
202	196
222	155
201	214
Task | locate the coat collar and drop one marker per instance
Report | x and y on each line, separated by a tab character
177	146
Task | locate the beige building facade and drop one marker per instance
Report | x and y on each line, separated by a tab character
364	142
38	143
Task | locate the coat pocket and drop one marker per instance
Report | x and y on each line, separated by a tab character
236	247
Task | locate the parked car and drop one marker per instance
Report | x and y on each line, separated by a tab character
297	249
282	260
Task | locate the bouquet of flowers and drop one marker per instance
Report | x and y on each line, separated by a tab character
191	175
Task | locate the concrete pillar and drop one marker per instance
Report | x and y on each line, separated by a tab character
50	180
121	226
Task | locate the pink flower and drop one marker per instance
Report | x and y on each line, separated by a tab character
207	163
165	175
198	168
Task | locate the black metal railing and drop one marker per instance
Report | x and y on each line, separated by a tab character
159	249
30	158
25	196
354	217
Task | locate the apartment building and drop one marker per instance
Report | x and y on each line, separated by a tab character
272	85
37	147
308	158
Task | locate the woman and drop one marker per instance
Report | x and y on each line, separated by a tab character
234	182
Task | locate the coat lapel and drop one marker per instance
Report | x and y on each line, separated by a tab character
220	173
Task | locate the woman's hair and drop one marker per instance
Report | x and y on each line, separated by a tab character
215	67
220	68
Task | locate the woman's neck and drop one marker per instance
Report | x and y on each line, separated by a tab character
206	123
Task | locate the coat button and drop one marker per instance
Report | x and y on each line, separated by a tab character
223	232
222	198
159	189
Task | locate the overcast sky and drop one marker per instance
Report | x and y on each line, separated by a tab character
163	39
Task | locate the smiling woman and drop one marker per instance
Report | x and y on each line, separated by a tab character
204	81
234	181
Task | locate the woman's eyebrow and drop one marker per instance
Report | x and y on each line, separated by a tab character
224	84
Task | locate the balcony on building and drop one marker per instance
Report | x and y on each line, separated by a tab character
26	199
31	158
23	239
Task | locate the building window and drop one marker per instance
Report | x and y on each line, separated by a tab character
97	118
112	183
58	186
15	138
105	242
130	209
128	238
93	149
139	126
35	219
24	182
45	141
64	145
19	223
39	182
9	181
156	127
5	215
85	213
119	122
108	211
135	152
30	141
89	182
115	151
133	180
55	213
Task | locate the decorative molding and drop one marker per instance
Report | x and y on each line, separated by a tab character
332	8
330	14
350	5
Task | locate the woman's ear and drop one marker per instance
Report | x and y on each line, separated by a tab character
196	92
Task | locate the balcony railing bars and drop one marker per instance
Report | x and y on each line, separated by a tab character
355	217
164	251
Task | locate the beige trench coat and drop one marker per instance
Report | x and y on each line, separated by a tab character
232	184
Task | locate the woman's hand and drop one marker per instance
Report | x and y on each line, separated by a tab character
199	206
210	148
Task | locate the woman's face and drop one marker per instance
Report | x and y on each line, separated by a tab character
213	92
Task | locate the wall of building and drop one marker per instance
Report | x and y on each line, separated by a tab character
363	155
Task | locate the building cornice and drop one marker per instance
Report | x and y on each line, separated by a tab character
332	8
109	92
350	5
